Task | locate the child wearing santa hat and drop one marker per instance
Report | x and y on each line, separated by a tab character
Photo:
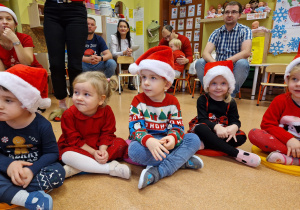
218	116
28	148
280	126
155	122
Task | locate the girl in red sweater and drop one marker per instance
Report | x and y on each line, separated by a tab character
88	142
280	125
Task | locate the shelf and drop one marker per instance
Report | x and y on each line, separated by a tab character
219	19
36	15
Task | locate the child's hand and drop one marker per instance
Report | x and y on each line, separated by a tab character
27	176
293	146
101	156
221	131
231	131
169	142
15	172
156	148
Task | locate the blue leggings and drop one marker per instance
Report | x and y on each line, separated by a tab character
48	178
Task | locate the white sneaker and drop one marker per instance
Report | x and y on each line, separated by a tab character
119	170
70	171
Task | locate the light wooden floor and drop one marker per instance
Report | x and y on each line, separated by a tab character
223	183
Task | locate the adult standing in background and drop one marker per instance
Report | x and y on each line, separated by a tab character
168	33
121	43
64	24
97	56
232	41
15	48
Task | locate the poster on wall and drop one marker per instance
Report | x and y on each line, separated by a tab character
189	23
286	27
188	35
180	32
173	24
182	12
191	12
197	22
196	47
199	6
174	13
181	24
196	35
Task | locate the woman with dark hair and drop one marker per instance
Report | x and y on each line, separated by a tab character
121	43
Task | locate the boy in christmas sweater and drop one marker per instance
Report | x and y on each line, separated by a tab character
155	122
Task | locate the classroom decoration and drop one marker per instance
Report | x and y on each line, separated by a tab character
286	27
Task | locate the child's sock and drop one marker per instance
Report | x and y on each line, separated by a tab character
248	158
119	170
70	171
194	162
150	175
33	200
277	157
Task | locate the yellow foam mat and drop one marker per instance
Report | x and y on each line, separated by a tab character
6	206
289	169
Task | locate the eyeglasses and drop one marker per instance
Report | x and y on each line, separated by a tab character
233	12
169	36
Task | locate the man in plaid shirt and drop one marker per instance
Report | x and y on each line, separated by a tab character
232	41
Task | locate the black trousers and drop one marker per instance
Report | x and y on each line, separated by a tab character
212	141
65	25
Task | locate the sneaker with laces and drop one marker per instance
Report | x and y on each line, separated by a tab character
248	158
119	170
149	176
194	162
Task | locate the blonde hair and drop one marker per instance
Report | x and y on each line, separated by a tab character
176	42
102	85
295	70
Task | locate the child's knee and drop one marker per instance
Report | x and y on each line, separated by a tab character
192	139
51	176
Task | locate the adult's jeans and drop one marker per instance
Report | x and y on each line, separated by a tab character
107	67
240	70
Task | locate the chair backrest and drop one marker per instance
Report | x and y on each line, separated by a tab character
277	69
125	60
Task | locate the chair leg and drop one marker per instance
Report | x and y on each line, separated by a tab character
240	96
188	82
119	85
257	104
194	88
201	89
175	87
138	83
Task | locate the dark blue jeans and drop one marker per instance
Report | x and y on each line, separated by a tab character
48	178
65	24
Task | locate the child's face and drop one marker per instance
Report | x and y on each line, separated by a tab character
247	6
10	107
261	4
86	98
294	86
153	85
174	47
218	87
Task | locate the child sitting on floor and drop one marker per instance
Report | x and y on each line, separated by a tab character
218	116
88	142
280	125
155	122
28	149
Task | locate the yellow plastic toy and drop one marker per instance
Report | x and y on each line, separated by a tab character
289	169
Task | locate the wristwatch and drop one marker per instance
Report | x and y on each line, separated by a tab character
101	57
16	43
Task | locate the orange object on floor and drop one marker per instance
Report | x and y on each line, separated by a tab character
6	206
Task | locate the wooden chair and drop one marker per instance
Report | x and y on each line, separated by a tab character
271	69
126	60
184	78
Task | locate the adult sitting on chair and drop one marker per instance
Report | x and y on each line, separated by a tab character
97	56
121	44
232	41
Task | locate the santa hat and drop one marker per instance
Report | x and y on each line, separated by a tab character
89	52
157	59
121	16
294	63
28	84
219	68
6	9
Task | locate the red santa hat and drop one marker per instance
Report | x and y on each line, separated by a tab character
121	16
219	68
6	9
157	59
28	84
294	63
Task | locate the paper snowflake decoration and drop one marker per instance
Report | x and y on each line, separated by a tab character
294	43
280	14
278	31
276	48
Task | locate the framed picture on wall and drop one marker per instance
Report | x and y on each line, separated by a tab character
173	24
180	32
191	12
197	22
189	23
196	35
199	7
181	24
174	13
188	34
196	47
182	13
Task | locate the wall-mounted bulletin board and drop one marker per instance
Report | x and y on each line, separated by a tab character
185	19
286	27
